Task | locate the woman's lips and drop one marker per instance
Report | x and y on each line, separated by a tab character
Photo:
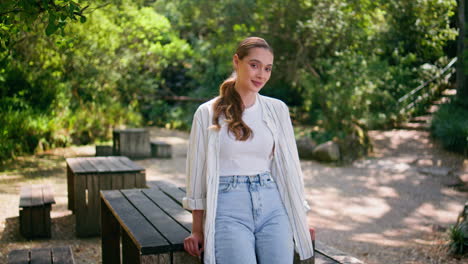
257	84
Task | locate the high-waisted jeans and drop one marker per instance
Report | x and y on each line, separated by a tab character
251	223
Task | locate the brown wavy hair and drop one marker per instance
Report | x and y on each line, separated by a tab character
229	102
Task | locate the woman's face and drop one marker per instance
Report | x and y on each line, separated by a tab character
254	70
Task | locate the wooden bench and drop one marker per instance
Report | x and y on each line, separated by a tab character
87	176
34	214
160	149
150	225
57	255
131	142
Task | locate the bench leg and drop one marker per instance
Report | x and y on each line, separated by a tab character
110	236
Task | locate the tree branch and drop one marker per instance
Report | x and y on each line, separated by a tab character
11	11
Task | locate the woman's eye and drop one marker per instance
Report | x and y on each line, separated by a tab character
253	65
268	69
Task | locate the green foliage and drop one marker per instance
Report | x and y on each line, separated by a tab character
25	131
19	17
450	126
340	62
458	239
104	73
340	65
151	60
421	27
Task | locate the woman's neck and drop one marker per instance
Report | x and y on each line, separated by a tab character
248	97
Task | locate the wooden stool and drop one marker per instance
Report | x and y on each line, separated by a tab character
104	150
58	255
35	205
160	149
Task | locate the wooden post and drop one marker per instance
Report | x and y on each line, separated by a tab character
110	242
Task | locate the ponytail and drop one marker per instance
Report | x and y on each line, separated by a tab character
231	106
229	102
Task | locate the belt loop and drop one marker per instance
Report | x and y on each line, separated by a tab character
234	181
262	180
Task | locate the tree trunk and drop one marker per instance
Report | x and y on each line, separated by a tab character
462	80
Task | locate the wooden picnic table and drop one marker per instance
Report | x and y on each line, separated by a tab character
87	176
151	225
131	142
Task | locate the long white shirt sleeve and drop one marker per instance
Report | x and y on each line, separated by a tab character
203	172
196	166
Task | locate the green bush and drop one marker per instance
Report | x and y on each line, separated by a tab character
458	243
450	126
25	131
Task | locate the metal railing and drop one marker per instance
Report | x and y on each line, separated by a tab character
419	94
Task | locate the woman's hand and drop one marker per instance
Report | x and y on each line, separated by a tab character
312	232
194	244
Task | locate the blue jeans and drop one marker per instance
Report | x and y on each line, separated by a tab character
251	223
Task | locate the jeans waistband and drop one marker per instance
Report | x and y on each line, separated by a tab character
256	178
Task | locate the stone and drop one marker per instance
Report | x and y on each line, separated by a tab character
305	147
435	171
463	176
328	151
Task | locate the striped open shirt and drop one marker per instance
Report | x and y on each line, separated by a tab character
203	172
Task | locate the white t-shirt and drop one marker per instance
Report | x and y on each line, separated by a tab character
248	157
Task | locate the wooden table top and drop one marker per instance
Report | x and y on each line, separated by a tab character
96	165
154	221
157	223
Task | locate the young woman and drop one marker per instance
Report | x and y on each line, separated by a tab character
244	180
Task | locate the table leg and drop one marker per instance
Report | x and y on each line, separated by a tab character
130	252
110	236
70	189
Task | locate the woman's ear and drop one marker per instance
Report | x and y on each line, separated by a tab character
235	61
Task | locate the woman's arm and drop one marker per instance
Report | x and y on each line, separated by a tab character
194	244
195	199
195	183
197	218
291	142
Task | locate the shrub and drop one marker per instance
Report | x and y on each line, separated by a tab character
458	244
450	126
26	131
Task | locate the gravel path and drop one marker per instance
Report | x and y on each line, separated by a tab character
381	209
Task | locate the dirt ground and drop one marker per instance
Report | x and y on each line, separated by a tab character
382	209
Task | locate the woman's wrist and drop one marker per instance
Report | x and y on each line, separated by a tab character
197	225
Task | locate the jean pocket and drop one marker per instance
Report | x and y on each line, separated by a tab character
225	187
